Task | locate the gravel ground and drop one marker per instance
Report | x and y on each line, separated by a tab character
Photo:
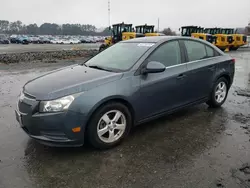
19	48
197	147
46	56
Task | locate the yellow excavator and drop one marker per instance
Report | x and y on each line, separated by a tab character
120	31
147	30
196	32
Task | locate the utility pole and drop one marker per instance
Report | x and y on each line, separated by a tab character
158	25
109	15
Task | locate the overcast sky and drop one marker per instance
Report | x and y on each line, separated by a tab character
172	13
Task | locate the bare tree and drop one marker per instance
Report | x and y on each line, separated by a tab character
168	31
247	29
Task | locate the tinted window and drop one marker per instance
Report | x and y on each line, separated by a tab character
120	56
195	50
210	51
169	54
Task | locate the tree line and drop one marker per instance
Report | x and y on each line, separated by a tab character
18	27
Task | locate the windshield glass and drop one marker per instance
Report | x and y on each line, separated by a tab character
126	28
115	30
184	31
119	57
149	30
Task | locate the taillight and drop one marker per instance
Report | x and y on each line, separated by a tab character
233	60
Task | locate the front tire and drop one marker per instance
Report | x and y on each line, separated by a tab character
109	125
219	93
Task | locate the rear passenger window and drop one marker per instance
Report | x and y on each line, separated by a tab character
210	51
195	50
169	54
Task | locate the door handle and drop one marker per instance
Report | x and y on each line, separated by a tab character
181	76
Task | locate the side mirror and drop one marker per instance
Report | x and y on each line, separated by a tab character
153	67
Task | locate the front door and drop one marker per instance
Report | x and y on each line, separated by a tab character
160	92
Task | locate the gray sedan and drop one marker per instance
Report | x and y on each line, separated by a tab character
127	84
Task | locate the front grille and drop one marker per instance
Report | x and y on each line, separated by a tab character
238	38
229	39
245	38
23	107
222	39
210	38
27	103
215	39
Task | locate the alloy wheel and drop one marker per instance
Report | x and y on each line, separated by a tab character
111	126
220	92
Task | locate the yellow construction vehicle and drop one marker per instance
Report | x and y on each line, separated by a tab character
196	32
120	31
238	39
222	41
147	30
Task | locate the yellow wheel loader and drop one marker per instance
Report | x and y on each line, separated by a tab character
196	32
147	30
120	31
222	41
238	39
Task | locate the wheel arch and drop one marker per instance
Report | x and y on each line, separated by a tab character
119	99
226	76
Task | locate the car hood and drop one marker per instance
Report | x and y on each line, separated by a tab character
68	80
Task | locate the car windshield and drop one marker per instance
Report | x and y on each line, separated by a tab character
119	57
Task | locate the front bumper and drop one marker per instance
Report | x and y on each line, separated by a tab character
52	129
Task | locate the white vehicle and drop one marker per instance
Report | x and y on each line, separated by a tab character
74	41
56	41
65	41
248	43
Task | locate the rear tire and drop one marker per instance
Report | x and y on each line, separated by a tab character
219	93
109	125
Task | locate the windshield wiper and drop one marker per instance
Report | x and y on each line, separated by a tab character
83	64
98	67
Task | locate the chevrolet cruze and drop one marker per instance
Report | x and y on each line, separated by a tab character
129	83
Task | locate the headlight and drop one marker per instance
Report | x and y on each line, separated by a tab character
57	105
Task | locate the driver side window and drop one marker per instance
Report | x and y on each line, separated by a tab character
168	54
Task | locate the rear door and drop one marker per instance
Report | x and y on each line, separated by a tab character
201	66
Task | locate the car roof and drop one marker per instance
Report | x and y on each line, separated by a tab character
161	39
153	39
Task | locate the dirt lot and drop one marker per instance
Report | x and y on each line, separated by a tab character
19	48
197	147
